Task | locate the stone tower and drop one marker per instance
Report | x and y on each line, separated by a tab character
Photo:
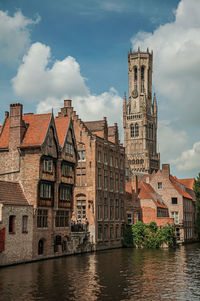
140	115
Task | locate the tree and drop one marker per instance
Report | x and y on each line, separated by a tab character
197	196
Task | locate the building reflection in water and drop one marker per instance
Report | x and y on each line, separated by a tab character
123	274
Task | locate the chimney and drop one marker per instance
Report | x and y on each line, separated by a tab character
134	183
17	125
67	103
166	169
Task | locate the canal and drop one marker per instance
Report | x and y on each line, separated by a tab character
122	274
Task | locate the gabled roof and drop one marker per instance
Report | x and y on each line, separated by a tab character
95	126
11	193
189	183
37	129
146	192
178	187
37	126
62	124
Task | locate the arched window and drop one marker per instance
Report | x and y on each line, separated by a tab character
135	73
137	161
142	79
40	247
132	130
136	130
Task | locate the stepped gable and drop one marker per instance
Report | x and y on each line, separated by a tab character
36	129
62	125
111	130
95	126
177	186
12	194
147	192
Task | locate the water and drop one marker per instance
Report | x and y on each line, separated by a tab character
122	274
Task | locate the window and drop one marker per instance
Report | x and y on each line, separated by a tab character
42	216
105	232
136	130
69	149
81	209
99	177
117	231
24	224
65	193
105	208
132	131
99	156
12	224
99	213
66	170
105	158
135	73
122	230
116	182
130	219
111	210
121	164
62	218
121	183
122	210
81	155
100	232
116	209
111	232
175	215
105	179
111	160
45	190
174	201
116	163
40	247
48	165
159	185
111	181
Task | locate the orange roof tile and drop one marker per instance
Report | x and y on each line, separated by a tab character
37	125
189	183
147	192
37	128
62	124
11	193
174	182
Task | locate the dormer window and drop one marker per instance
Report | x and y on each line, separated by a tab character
69	149
48	165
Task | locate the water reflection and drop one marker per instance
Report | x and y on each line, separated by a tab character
123	274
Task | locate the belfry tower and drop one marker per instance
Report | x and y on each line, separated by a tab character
140	115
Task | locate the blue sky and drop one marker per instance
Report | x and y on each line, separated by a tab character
85	44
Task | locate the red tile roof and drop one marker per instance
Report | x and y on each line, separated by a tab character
189	183
62	124
37	126
178	187
146	192
11	193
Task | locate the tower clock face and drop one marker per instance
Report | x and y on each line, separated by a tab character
134	93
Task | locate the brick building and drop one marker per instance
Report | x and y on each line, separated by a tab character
179	198
16	225
40	154
99	192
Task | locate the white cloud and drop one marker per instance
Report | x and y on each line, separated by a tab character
171	141
176	47
189	159
37	81
14	36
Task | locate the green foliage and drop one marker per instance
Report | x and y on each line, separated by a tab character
128	237
197	196
150	236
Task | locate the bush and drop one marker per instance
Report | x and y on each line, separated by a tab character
150	236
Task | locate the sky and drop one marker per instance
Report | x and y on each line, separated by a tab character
54	50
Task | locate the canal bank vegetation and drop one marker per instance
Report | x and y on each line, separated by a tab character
149	236
197	197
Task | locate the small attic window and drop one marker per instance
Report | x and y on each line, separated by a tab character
69	149
159	185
